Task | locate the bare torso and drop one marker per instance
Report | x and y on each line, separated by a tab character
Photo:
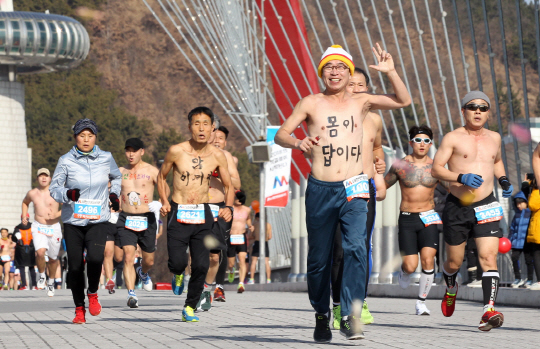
216	192
46	210
240	218
416	183
6	247
192	173
256	230
370	132
137	187
473	154
339	124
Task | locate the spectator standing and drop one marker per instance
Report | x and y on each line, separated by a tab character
25	254
518	235
533	234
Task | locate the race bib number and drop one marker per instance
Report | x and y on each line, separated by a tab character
190	214
87	209
215	211
136	223
6	258
357	187
430	217
46	230
237	239
488	213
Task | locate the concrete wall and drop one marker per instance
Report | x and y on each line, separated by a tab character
15	163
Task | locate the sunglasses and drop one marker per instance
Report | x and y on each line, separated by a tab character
420	140
474	107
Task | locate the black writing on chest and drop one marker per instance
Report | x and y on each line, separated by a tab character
329	151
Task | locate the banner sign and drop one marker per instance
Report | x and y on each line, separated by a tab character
277	172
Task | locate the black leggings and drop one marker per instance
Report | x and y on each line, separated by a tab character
534	251
516	253
223	263
92	238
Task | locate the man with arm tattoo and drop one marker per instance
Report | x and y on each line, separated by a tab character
417	219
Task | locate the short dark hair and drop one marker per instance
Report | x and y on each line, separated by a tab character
519	200
6	229
257	215
200	110
422	129
362	71
224	130
241	196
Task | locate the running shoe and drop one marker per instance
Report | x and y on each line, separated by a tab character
146	280
79	315
41	283
205	302
110	286
366	316
268	281
6	287
421	308
251	282
518	282
50	290
351	328
448	304
404	279
336	312
219	295
527	284
322	333
24	288
240	288
535	286
475	284
188	315
231	276
178	284
132	300
94	307
491	319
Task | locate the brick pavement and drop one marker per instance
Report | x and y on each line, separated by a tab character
250	320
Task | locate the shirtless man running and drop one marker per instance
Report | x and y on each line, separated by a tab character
337	189
136	224
46	229
221	229
417	220
473	155
6	247
237	241
190	217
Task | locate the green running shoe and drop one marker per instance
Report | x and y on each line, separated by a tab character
366	316
231	276
205	302
336	311
188	315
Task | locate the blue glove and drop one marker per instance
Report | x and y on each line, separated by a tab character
470	179
506	187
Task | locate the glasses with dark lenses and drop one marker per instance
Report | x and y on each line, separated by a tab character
420	140
474	107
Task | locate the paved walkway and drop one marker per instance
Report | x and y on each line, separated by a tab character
29	319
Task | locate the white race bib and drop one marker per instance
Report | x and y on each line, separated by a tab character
136	223
47	230
87	209
488	213
190	214
430	217
215	211
357	187
237	239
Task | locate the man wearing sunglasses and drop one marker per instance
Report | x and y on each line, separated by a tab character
473	155
418	219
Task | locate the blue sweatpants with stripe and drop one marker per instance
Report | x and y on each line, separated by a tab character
326	206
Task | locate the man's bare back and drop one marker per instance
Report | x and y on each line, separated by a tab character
137	187
46	209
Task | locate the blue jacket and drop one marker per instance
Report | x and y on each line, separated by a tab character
91	174
520	224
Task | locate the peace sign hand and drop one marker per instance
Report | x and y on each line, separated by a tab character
386	63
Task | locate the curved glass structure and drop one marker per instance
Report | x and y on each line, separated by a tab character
35	42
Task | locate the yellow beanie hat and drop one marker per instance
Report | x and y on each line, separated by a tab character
336	52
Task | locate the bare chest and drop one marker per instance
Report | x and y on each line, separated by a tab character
411	176
195	170
43	200
478	149
136	180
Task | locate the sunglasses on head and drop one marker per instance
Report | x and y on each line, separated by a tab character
420	140
474	107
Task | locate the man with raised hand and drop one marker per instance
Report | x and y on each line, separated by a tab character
190	217
46	229
473	155
338	189
136	223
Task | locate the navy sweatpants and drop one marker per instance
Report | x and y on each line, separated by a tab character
326	206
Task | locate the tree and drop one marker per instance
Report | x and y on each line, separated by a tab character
249	176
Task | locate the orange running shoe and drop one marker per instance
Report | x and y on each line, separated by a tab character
219	295
448	304
79	315
491	319
93	304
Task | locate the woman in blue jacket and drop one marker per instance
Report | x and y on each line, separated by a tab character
518	235
80	183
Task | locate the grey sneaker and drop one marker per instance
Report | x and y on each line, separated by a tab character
351	328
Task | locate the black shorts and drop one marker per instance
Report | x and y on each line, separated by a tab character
256	247
233	250
413	234
111	231
146	238
221	231
459	222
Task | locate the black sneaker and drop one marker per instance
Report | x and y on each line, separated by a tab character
322	332
351	328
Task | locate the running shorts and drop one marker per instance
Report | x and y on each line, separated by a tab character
460	222
48	237
413	234
256	249
233	248
221	231
129	237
